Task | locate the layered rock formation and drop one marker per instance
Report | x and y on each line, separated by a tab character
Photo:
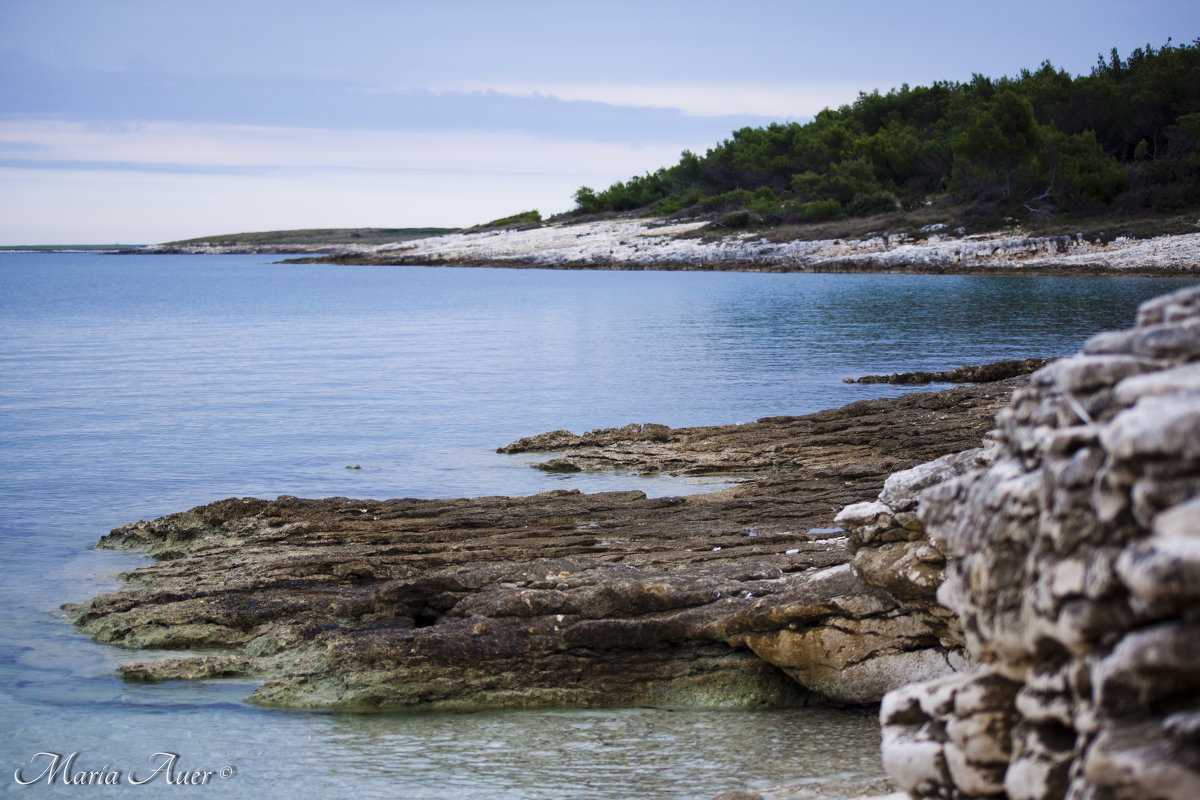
740	598
1071	559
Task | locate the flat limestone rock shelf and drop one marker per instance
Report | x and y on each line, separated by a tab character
740	598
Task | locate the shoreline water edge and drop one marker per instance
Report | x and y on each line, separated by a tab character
637	244
1020	596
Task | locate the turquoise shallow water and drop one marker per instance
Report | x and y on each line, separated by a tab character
135	386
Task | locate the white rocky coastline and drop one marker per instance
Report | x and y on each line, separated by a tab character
644	244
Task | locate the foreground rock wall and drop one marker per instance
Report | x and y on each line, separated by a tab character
1072	562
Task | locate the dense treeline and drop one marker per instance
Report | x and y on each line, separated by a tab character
1126	136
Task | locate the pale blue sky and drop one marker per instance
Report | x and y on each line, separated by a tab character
149	120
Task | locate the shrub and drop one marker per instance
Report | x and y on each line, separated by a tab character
872	203
727	201
668	205
524	218
586	201
1081	169
738	219
821	210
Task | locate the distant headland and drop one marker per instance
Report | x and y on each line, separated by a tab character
1040	172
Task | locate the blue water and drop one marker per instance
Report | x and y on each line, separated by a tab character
132	386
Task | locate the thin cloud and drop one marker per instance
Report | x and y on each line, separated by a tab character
105	205
227	146
779	101
154	181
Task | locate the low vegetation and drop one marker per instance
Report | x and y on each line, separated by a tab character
317	236
526	219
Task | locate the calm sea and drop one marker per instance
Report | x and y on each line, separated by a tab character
133	386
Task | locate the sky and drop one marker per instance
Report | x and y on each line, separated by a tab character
141	121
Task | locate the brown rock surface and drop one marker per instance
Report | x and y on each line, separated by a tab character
740	598
861	443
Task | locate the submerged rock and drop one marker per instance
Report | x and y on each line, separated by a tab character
1072	564
723	600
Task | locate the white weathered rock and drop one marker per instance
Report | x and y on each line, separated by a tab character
869	519
1073	566
639	243
924	755
1181	379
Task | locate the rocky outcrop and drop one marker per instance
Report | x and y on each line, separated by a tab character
741	598
870	438
645	244
890	548
1071	559
997	371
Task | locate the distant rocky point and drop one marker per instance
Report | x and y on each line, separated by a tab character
289	242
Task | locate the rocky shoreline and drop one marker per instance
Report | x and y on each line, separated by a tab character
741	598
637	244
693	245
967	374
1021	594
229	249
